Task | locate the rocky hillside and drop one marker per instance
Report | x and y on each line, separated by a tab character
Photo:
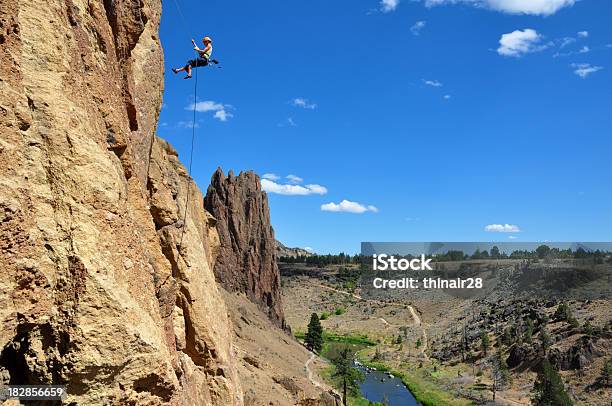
246	261
96	290
283	251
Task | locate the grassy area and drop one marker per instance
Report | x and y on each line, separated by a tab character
340	338
424	390
332	344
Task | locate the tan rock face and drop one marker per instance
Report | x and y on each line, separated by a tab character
247	259
283	251
95	291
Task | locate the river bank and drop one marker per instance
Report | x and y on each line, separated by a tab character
423	390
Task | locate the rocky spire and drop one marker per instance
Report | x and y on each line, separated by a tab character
246	261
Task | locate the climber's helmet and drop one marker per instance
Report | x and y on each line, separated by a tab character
206	40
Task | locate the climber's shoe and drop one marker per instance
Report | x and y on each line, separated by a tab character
187	77
175	70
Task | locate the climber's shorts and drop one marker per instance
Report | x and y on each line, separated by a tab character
196	63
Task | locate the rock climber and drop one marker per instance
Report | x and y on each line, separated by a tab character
202	60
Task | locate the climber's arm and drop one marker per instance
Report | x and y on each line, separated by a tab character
195	46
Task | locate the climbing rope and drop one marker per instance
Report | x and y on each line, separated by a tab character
182	16
193	127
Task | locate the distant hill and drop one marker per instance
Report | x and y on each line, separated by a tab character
283	251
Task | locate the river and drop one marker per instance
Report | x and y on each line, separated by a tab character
378	384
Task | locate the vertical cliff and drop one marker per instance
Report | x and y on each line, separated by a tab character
247	259
96	292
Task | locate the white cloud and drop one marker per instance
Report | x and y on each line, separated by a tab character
535	7
288	122
292	190
271	176
303	103
447	97
348	207
223	115
563	42
502	228
220	110
417	27
518	43
583	34
584	50
187	124
433	83
512	237
585	69
608	45
204	106
294	179
317	189
309	249
387	6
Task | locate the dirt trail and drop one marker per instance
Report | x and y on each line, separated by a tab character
309	371
418	322
415	317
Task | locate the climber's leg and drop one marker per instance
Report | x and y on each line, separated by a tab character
188	71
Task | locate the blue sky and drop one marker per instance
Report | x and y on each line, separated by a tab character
436	120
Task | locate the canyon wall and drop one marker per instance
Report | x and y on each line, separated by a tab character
247	258
104	287
283	251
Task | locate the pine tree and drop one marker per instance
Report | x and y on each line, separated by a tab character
548	389
500	376
606	373
314	336
529	331
545	339
484	342
348	376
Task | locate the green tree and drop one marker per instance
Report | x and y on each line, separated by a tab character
314	335
542	251
484	342
506	337
500	376
348	376
529	331
548	389
588	328
606	373
563	312
545	339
